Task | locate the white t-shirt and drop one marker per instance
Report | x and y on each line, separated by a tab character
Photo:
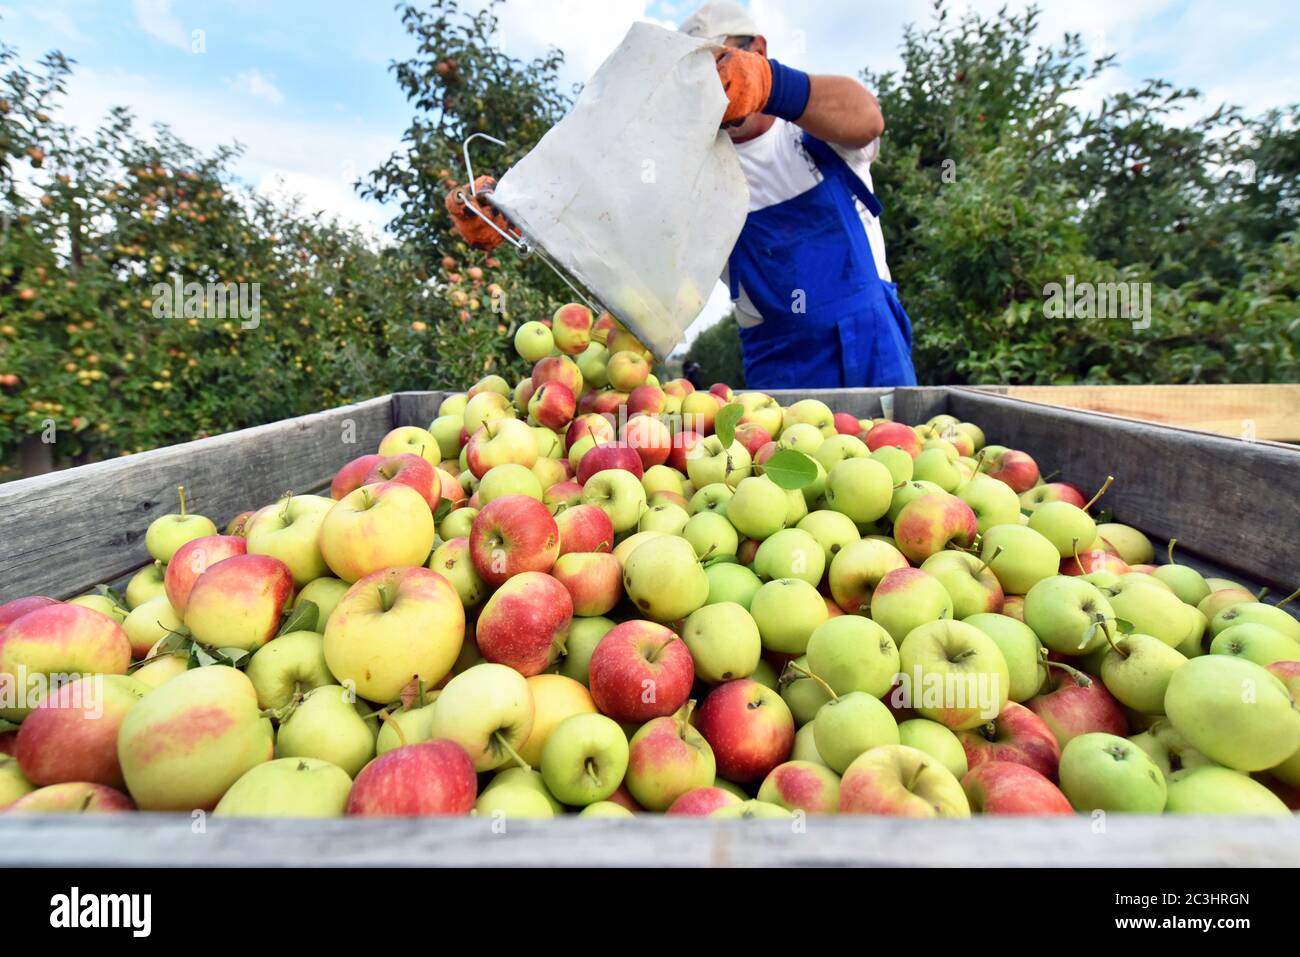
778	168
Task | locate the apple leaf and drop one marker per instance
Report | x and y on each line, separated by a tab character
111	594
724	424
7	726
1125	626
442	511
233	656
302	618
790	469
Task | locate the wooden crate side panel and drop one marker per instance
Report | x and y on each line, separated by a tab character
912	405
1236	503
66	531
416	408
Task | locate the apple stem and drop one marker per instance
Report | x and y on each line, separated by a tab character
1047	478
979	461
388	719
385	602
505	746
419	693
1078	562
821	681
1080	678
1100	492
180	490
1262	592
684	719
1172	543
1105	630
1291	597
991	559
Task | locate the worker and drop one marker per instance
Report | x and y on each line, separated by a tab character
811	288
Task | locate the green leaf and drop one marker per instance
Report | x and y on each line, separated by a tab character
720	560
1125	626
303	618
442	511
790	469
111	594
7	726
724	424
233	656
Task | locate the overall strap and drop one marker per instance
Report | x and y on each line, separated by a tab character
832	164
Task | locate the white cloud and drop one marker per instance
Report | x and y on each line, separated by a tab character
254	82
155	17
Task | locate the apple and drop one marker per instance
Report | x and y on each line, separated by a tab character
1256	613
454	562
406	725
419	780
1170	751
668	758
934	739
701	802
1127	542
1150	608
555	698
902	782
149	623
1137	670
627	370
73	797
851	653
619	494
753	438
1257	643
1021	648
499	441
145	585
446	430
571	328
288	788
1017	736
758	509
591	425
707	462
1000	787
670	519
664	579
393	627
858	569
487	710
898	462
861	488
903	494
187	741
839	447
802	786
1097	561
12	783
509	479
417	441
325	594
749	728
71	735
751	810
1216	790
585	759
524	622
54	640
1051	492
290	530
405	469
699	410
803	693
1187	583
833	531
791	553
1069	615
992	501
812	412
684	442
787	612
1075	703
292	664
732	582
893	435
560	369
761	410
584	635
326	724
237	603
489	383
1019	556
1014	468
1234	712
953	673
534	341
514	780
937	466
353	475
610	455
640	670
710	534
513	534
650	438
1105	772
103	603
967	580
712	498
647	399
376	527
1221	599
849	725
169	532
584	528
907	598
723	641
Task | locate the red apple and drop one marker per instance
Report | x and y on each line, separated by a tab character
13	610
524	622
1014	468
1095	560
73	797
896	434
450	488
680	388
1017	736
560	369
416	780
752	437
608	402
353	475
722	391
610	455
412	470
513	534
649	399
72	734
594	581
58	639
1052	492
553	405
683	442
846	424
584	528
765	452
640	670
930	523
237	602
1077	704
571	325
599	427
238	525
194	558
562	497
749	728
1013	606
1001	787
649	437
702	802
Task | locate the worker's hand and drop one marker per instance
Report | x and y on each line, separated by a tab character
472	229
747	80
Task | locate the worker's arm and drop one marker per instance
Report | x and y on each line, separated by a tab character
842	111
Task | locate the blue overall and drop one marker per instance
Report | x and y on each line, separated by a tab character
829	320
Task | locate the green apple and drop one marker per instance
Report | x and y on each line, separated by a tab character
327	724
724	642
104	605
618	493
934	465
903	494
787	611
511	478
292	664
457	523
1133	547
802	437
805	744
711	498
1257	643
288	787
325	594
664	579
850	725
803	694
1187	583
708	462
1221	599
454	562
12	783
858	568
901	781
584	635
907	598
407	726
1151	609
153	620
1109	773
831	530
751	810
290	530
953	673
796	507
710	534
759	507
935	740
1170	751
488	711
1193	643
731	581
860	488
146	584
852	653
790	553
1024	653
524	779
993	501
1019	556
1215	790
1066	526
765	675
838	447
507	802
453	404
1256	613
605	809
667	518
584	759
1069	615
974	589
663	478
169	532
1234	712
899	463
534	340
1137	670
446	430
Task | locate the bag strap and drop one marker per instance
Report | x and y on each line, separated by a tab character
832	164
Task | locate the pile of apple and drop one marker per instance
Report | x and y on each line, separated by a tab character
600	593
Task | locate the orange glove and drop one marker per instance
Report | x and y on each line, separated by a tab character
747	80
472	229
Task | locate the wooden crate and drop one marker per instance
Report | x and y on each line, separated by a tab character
1233	504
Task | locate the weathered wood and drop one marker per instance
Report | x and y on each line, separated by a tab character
1231	501
1269	411
910	404
1115	841
67	531
416	408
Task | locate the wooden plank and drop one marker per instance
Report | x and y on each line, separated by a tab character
64	532
910	404
1118	840
1245	411
1231	501
416	408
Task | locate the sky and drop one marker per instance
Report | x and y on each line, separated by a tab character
305	85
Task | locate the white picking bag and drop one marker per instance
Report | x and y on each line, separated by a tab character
636	193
